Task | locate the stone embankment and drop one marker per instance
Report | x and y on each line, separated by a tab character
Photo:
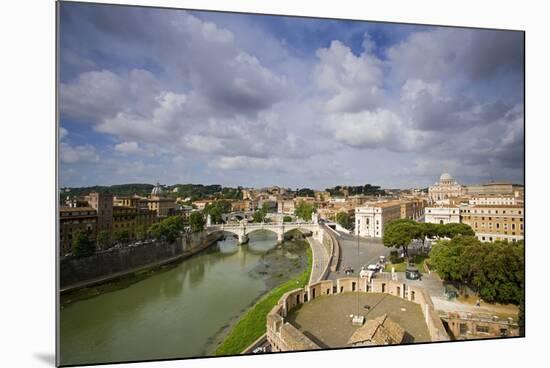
75	273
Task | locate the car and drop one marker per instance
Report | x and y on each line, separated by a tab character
374	267
412	273
258	350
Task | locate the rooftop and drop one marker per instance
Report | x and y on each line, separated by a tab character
326	319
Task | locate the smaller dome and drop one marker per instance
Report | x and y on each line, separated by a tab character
157	190
445	177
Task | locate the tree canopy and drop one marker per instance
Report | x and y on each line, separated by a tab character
344	220
82	246
216	209
196	221
304	210
168	229
494	270
260	214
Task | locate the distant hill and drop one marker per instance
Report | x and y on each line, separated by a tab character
119	190
193	191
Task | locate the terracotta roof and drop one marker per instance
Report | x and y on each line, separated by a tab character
378	331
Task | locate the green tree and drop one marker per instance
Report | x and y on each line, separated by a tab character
141	232
216	209
305	192
104	239
454	229
399	234
196	221
494	270
260	214
343	219
287	219
121	236
304	210
82	246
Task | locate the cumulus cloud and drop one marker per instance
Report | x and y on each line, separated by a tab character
127	148
77	154
352	82
203	87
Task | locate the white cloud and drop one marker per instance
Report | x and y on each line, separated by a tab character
352	82
62	133
77	154
127	148
243	162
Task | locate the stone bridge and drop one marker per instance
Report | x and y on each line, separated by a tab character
243	229
238	216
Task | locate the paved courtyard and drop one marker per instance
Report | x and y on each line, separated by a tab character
325	320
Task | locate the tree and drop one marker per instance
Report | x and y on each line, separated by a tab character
304	210
141	232
287	219
494	270
447	256
399	234
122	236
82	246
260	215
305	192
455	229
343	219
216	209
196	221
104	239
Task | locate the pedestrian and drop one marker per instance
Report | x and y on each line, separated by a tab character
478	303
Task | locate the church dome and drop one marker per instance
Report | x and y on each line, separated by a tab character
157	190
446	177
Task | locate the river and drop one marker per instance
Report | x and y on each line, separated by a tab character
183	311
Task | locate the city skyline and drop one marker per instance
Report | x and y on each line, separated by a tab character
195	98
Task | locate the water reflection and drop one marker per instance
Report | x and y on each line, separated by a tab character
180	312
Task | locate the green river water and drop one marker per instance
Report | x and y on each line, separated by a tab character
182	311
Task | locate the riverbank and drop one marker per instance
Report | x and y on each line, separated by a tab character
253	324
127	262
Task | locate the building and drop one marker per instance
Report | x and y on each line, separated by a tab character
378	331
446	188
72	219
494	188
157	202
464	326
200	204
125	218
103	204
495	222
500	200
442	215
286	206
412	209
243	206
370	220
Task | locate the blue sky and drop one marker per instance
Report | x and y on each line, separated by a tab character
234	99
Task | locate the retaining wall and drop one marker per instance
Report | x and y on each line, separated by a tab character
106	265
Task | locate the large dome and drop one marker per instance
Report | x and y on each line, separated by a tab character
446	177
157	190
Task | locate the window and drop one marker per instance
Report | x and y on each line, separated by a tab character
482	329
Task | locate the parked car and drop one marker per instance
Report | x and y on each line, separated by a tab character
412	273
374	267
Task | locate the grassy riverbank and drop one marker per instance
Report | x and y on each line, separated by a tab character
253	324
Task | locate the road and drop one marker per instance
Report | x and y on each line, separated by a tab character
369	252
